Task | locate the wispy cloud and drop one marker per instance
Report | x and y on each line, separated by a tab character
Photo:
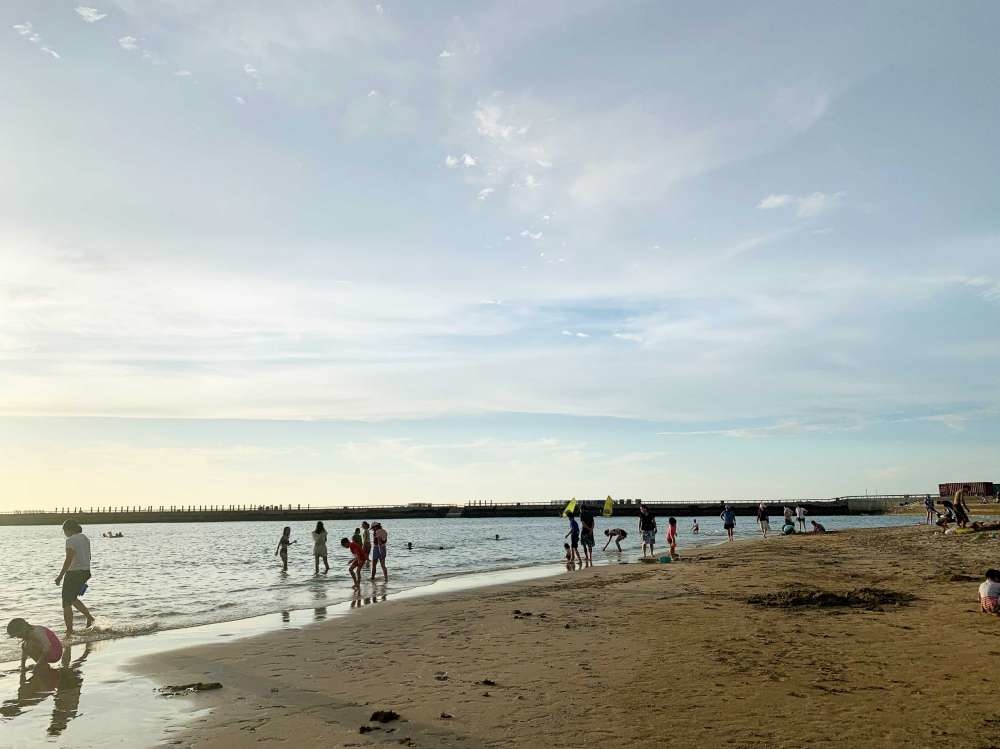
445	54
90	15
484	193
806	206
182	73
27	30
128	43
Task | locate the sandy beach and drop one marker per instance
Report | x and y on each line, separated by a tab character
641	655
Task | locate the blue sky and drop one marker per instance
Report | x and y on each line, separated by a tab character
364	252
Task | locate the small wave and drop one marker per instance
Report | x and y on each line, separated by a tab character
111	631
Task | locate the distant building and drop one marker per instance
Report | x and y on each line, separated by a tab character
976	488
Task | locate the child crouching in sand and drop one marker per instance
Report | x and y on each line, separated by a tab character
37	642
358	559
989	593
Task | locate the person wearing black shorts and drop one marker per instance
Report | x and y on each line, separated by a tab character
588	522
74	574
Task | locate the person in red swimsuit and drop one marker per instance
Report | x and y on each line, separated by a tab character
358	559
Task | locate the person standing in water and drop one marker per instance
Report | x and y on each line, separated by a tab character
672	537
763	518
283	543
729	521
694	526
379	541
74	574
319	547
366	541
647	529
587	534
800	517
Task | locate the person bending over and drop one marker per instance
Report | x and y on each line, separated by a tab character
617	535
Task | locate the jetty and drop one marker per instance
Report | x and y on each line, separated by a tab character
114	515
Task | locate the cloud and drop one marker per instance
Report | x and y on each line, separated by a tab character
24	29
379	9
575	334
484	193
240	100
451	161
51	52
372	94
90	15
535	235
445	54
628	337
182	73
806	206
468	159
128	43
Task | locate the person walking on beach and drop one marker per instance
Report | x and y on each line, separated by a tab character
931	511
74	575
588	523
319	547
672	536
800	517
574	538
764	518
366	540
615	534
283	543
358	559
380	539
728	521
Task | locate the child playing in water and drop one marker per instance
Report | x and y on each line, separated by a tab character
989	593
37	642
672	537
358	559
574	538
366	541
283	543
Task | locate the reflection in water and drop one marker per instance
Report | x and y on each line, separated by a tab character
319	614
64	684
376	596
286	616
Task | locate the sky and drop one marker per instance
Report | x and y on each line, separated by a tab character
346	252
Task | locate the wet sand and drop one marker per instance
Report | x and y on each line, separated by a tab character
641	655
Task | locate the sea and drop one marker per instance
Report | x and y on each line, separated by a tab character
170	576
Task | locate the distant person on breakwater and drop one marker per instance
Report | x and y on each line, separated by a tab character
729	521
764	518
989	593
74	574
817	527
694	526
800	518
380	539
37	642
672	537
931	511
283	543
366	540
647	529
319	547
574	538
358	560
588	523
615	534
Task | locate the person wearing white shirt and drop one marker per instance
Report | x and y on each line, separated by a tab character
74	574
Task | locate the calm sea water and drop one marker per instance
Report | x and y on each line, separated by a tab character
167	576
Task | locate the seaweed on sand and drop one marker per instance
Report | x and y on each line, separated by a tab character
867	598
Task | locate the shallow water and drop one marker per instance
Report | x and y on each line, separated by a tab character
167	576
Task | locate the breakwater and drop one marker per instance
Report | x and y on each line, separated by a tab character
115	515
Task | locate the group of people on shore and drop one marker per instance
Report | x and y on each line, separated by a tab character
793	520
368	547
